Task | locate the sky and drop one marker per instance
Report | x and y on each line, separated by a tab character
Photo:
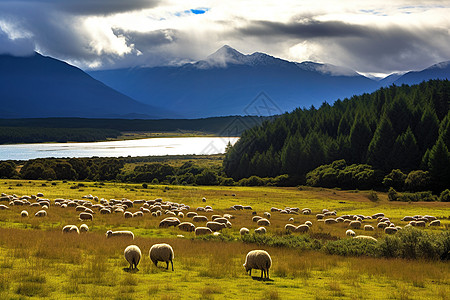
369	36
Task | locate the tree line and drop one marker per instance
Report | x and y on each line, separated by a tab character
399	127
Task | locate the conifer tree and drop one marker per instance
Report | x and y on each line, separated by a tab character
439	164
381	145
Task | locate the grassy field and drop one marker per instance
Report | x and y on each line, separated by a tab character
37	260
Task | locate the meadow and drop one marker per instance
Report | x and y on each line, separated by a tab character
37	260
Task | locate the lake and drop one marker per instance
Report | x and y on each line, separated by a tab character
141	147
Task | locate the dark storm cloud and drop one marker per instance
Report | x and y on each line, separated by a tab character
89	7
364	48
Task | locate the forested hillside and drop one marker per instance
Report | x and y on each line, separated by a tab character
399	127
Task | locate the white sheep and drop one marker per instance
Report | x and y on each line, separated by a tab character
355	224
133	255
161	252
263	222
309	223
244	231
258	259
200	219
215	226
390	230
267	215
24	214
127	215
70	229
122	233
303	228
86	216
350	232
291	220
368	228
330	221
289	227
41	213
435	223
202	231
365	237
186	226
260	230
170	221
84	228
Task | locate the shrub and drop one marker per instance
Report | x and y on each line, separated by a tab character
144	185
417	181
392	194
395	179
445	196
351	247
373	196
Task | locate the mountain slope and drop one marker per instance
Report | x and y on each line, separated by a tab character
229	83
38	86
437	71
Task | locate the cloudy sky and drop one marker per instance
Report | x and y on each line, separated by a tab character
369	36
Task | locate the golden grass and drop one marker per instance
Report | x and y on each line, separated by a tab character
36	259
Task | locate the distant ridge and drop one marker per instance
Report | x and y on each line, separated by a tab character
38	86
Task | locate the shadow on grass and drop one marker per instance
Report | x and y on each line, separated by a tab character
128	270
258	278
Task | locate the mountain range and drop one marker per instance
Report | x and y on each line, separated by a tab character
225	83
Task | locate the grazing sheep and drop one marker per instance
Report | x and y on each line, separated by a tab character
290	227
309	223
191	214
84	228
138	214
435	223
168	222
390	230
256	218
303	228
202	231
420	223
70	229
3	207
365	237
133	255
215	226
331	221
382	225
186	226
407	219
320	216
244	231
122	233
267	215
260	230
260	260
41	213
355	224
161	252
86	216
291	220
127	215
368	228
350	232
263	222
180	214
24	214
200	219
306	211
221	220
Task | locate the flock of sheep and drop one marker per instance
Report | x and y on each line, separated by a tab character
172	212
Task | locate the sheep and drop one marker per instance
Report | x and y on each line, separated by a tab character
161	252
170	221
221	220
390	230
186	226
368	228
127	215
350	232
365	237
215	226
70	229
202	231
138	214
256	218
260	230
244	231
291	220
191	214
382	225
355	224
84	228
41	213
200	219
302	228
330	221
306	211
24	214
407	219
258	259
309	223
263	222
3	207
86	216
267	215
122	233
105	211
320	216
132	255
420	223
435	223
290	227
180	214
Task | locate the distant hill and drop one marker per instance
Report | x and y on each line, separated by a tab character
38	86
231	83
437	71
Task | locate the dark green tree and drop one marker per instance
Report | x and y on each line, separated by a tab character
405	154
381	145
439	164
360	137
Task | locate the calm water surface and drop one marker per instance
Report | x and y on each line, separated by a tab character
142	147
